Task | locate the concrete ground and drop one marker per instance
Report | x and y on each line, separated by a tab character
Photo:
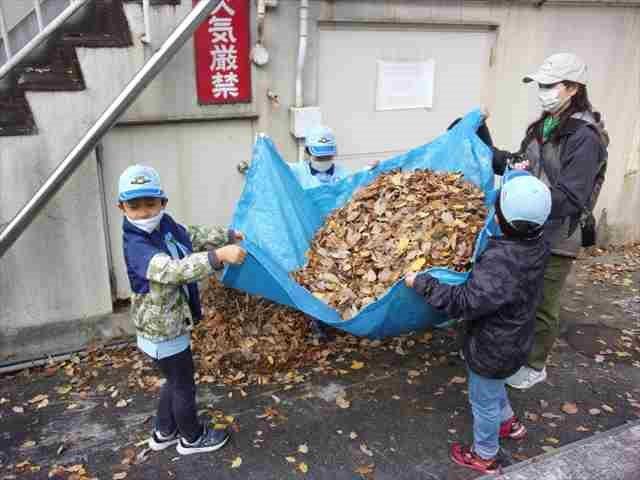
393	418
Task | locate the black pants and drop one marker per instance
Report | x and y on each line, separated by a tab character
177	408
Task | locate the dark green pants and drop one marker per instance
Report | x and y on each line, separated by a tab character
548	314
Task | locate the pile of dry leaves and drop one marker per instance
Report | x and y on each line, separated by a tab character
401	222
246	339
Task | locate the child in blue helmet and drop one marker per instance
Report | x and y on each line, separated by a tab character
319	168
164	262
498	304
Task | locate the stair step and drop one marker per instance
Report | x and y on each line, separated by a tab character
106	26
61	73
15	116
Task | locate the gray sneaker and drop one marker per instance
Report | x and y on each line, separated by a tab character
526	378
210	441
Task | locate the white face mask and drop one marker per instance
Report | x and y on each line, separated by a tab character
321	166
148	224
550	100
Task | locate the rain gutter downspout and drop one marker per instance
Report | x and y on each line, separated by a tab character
302	53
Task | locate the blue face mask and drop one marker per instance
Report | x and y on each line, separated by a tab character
148	224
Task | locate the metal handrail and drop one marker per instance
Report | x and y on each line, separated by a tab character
74	159
13	60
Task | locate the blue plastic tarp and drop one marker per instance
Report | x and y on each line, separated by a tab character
279	220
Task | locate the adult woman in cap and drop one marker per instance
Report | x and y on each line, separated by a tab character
566	148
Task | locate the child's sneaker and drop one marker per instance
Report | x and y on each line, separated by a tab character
513	429
466	457
159	442
210	441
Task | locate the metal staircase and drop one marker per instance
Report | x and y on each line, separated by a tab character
90	24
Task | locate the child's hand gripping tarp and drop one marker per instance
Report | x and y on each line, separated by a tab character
279	220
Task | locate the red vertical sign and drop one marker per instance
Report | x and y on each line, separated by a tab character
223	73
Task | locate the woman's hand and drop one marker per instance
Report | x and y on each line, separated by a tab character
231	254
410	279
238	236
523	165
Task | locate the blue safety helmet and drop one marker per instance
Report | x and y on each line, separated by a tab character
139	181
524	202
321	142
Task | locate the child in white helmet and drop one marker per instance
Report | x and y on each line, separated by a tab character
498	304
164	262
319	168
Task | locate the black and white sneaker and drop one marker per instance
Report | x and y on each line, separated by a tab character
158	441
210	441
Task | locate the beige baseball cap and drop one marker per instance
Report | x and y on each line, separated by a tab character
559	67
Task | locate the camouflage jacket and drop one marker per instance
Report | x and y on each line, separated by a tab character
165	299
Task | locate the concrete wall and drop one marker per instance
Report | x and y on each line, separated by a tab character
196	148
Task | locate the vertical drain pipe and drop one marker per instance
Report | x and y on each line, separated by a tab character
105	220
302	53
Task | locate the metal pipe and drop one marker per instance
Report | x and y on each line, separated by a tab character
105	220
65	169
36	5
302	53
146	14
40	37
5	36
57	357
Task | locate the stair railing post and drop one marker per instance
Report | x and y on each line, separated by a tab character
146	15
5	35
36	6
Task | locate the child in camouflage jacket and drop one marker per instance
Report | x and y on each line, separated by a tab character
164	269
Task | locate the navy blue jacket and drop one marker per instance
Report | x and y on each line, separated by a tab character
140	247
498	302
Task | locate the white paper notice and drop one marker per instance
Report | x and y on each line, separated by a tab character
405	85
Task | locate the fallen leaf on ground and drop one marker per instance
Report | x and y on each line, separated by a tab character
18	409
121	403
533	417
583	429
353	435
38	398
64	389
364	449
552	440
365	470
570	408
236	462
356	365
303	467
343	402
120	476
594	411
457	380
290	459
28	444
607	408
303	448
